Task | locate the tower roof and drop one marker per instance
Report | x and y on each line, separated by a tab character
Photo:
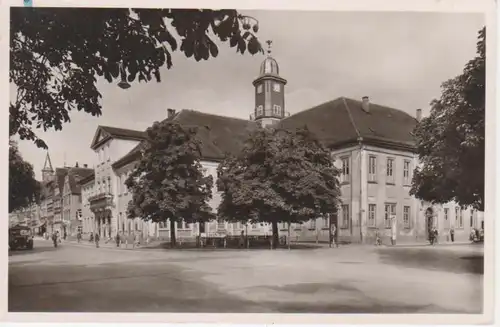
47	166
269	66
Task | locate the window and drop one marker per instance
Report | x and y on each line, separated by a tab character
276	109
345	216
276	87
313	224
390	170
109	185
372	211
390	212
372	169
179	224
326	222
260	110
283	225
406	172
446	215
119	184
471	218
458	213
109	154
406	216
344	176
259	88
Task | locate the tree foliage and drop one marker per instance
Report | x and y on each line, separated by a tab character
169	181
451	141
56	54
24	189
279	176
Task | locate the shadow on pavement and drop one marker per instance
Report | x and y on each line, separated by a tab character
433	259
32	251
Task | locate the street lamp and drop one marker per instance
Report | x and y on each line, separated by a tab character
123	84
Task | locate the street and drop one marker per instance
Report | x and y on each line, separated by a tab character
350	279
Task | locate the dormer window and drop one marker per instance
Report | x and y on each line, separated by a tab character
276	87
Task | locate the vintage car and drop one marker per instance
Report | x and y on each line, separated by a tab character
20	237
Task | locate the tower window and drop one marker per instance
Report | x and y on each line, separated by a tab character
260	110
277	110
276	87
259	88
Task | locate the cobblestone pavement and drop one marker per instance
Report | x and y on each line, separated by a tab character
350	279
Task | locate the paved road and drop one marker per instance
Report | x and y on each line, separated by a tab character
355	279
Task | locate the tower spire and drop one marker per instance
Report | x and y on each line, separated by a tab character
48	164
47	170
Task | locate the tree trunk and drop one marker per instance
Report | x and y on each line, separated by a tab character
172	233
289	238
275	234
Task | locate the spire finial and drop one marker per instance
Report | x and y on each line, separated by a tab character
269	44
48	164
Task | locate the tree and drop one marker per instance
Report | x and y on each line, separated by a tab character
168	182
279	176
450	142
24	189
56	54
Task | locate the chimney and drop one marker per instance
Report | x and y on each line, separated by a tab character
365	105
76	165
85	166
419	115
170	113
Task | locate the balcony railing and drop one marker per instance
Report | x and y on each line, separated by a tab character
101	196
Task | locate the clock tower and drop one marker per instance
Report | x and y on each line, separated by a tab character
269	92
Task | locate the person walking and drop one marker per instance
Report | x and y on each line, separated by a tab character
135	241
78	237
393	229
117	240
97	237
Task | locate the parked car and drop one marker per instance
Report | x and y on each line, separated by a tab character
20	237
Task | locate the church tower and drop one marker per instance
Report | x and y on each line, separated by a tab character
47	171
269	92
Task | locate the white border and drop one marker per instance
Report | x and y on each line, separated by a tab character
475	6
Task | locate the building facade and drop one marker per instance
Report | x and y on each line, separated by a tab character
372	145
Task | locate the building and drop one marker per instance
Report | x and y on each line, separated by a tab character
87	190
72	198
372	144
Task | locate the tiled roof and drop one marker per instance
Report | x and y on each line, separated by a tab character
343	120
75	174
218	134
123	132
335	123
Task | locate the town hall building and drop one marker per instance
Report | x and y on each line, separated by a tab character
372	145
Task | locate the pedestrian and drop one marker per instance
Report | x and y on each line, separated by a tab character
91	238
117	240
241	243
378	240
452	235
78	237
135	241
97	237
393	229
54	239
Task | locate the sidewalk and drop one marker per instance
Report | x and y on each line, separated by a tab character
110	244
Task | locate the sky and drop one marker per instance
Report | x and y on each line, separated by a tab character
398	59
